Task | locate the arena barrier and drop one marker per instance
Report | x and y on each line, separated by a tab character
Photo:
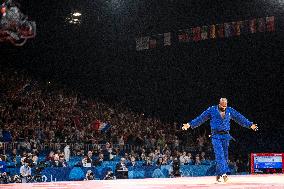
50	174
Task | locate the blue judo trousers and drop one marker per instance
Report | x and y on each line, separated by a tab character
220	140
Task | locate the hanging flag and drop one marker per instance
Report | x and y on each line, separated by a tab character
196	33
261	25
212	31
233	28
270	24
220	30
190	33
244	26
152	43
159	40
104	127
95	125
183	36
229	29
156	41
252	25
142	43
204	32
238	28
167	39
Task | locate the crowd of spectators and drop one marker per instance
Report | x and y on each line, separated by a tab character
43	119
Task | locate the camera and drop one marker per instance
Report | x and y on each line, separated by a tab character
90	175
4	178
109	176
16	179
176	168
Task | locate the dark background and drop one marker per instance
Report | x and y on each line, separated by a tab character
176	83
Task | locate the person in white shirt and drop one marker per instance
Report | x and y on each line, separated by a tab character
188	159
67	153
25	172
183	159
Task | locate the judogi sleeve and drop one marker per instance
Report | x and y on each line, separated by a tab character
200	119
240	119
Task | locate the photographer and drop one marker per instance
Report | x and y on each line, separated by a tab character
109	176
176	167
90	175
25	172
16	179
5	178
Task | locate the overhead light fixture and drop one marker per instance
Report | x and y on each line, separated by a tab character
74	18
76	14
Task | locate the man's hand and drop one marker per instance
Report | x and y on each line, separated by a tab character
254	127
185	126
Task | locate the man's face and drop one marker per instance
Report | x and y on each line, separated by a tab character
90	154
122	160
101	155
222	105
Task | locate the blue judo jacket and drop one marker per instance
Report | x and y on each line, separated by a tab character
217	123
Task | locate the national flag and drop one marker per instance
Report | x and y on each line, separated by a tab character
196	33
252	25
245	27
270	23
190	33
229	30
238	28
261	25
156	41
204	32
220	30
183	36
159	40
212	31
234	28
104	127
167	39
142	43
152	43
95	125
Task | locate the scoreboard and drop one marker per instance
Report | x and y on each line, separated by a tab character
267	163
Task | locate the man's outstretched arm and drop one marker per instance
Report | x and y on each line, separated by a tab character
198	120
242	120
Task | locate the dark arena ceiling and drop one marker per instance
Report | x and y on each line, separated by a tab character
89	45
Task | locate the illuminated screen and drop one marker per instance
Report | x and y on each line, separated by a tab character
267	163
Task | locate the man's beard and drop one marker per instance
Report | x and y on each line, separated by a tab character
222	109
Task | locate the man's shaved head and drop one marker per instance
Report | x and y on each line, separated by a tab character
223	100
223	104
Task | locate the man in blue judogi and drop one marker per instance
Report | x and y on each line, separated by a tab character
220	117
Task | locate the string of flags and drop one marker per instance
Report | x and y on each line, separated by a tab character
214	31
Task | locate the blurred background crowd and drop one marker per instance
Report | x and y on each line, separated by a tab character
45	122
